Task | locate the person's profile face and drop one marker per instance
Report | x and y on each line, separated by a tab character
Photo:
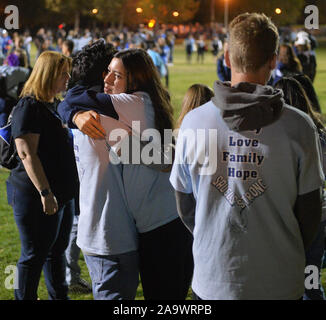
115	81
65	50
61	83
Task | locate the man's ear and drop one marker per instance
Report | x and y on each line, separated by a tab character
272	64
227	57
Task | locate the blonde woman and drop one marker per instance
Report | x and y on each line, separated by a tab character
195	96
41	187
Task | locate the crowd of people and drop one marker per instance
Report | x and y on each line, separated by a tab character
237	213
295	55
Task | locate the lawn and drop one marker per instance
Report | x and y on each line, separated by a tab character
182	75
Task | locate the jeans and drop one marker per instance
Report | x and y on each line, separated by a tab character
114	277
44	239
72	256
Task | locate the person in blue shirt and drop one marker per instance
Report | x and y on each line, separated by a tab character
190	45
164	51
6	42
157	59
223	71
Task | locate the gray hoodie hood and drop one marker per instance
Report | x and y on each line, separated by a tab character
248	106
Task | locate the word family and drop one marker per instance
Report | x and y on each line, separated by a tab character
251	157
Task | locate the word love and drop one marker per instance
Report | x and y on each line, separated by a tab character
243	142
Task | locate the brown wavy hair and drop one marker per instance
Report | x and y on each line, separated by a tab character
142	75
296	96
288	57
195	96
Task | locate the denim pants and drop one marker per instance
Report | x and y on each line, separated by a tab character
44	239
114	277
72	255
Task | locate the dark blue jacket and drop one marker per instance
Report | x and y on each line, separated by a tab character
81	97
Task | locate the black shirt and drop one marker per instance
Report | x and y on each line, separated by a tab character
55	148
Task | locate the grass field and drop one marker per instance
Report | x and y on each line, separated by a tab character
182	75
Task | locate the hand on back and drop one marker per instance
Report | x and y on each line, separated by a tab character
89	123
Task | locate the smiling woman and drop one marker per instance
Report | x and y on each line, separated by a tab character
116	80
133	92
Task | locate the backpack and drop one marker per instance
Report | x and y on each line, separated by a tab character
8	152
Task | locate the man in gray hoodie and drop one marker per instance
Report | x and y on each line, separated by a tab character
248	176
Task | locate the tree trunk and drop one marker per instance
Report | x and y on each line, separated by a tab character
121	20
212	10
77	20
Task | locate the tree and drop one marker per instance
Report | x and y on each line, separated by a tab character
291	9
205	13
162	11
117	12
71	8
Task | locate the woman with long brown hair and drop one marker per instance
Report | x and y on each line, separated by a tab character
287	63
134	92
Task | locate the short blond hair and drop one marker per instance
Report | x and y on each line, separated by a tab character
47	69
253	41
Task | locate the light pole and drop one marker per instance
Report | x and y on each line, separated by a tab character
94	12
226	14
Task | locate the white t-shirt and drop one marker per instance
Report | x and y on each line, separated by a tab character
247	241
150	196
106	226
